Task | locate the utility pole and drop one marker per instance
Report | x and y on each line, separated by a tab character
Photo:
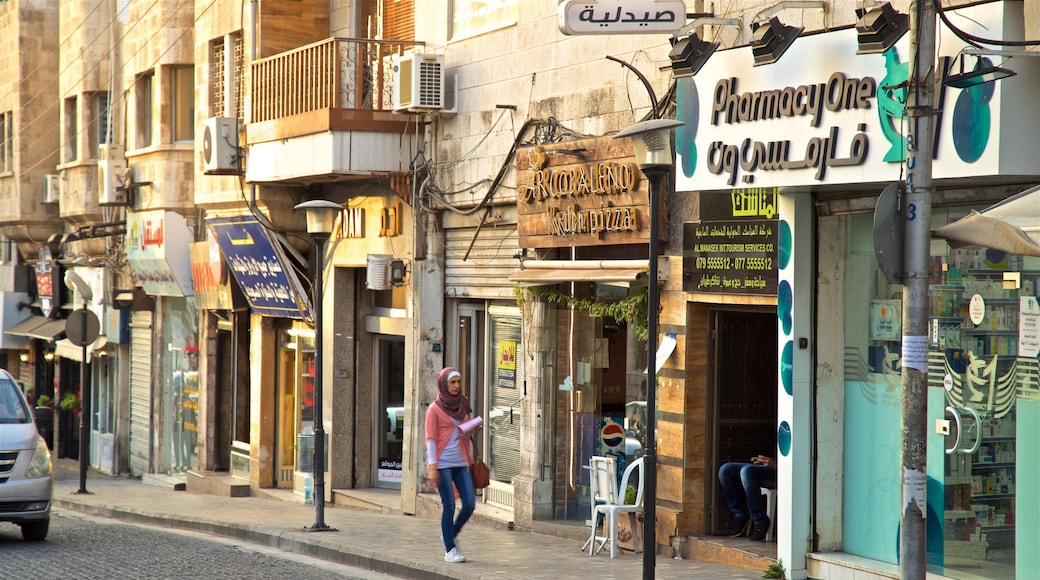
920	112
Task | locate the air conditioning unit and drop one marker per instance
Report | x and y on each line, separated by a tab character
419	83
220	146
51	188
111	175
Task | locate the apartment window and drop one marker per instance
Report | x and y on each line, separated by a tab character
388	20
70	150
99	121
6	143
218	89
472	17
183	90
143	97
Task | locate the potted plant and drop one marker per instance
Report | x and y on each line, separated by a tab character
45	401
69	402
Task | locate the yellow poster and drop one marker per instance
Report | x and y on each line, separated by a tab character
507	355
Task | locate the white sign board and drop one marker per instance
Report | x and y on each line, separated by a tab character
1028	327
621	17
824	115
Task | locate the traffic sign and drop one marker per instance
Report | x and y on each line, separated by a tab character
82	327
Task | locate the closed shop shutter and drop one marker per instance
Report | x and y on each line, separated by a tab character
485	272
140	392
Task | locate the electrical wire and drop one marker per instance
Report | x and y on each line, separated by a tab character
973	40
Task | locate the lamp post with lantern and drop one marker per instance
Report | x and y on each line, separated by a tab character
321	218
652	141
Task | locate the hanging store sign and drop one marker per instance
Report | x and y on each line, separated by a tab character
157	250
580	193
260	267
45	282
210	277
733	249
810	121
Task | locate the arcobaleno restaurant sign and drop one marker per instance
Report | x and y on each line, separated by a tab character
580	193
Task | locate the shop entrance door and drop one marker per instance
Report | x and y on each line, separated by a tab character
742	395
389	381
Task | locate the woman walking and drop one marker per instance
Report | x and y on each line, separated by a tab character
448	457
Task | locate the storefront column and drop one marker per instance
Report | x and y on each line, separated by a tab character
263	402
794	395
532	491
424	356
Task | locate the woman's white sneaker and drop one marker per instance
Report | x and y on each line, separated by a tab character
454	556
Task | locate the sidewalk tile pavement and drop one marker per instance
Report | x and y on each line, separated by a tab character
398	545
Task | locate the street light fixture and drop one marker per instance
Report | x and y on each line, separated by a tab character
652	141
321	218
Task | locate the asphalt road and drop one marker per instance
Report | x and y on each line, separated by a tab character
85	547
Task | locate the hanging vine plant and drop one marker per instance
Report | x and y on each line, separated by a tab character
632	310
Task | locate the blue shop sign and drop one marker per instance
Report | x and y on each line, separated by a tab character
260	268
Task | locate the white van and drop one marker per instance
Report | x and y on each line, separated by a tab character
26	474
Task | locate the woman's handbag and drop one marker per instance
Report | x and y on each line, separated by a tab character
481	474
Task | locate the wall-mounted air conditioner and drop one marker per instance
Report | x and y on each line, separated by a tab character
51	188
220	146
111	175
419	83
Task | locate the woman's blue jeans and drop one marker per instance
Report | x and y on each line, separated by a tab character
450	524
741	486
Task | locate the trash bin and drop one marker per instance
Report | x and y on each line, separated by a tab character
44	417
305	452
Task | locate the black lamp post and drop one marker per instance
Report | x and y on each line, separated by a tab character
652	141
321	218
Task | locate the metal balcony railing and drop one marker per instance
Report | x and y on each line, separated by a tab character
336	73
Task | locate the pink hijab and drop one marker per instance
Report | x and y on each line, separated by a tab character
456	406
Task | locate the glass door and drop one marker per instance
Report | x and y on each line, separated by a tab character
506	388
390	391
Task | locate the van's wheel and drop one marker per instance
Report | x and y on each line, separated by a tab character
35	531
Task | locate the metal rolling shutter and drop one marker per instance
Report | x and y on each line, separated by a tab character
140	392
485	273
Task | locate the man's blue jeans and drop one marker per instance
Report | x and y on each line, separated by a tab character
742	485
450	524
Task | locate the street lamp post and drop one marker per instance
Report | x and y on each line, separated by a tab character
321	217
82	329
652	141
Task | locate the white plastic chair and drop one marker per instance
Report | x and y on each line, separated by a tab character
770	510
601	487
614	505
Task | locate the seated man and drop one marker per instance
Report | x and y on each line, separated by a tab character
741	486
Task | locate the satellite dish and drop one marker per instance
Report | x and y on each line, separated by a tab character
888	232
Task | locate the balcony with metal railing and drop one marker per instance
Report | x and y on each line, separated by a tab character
324	112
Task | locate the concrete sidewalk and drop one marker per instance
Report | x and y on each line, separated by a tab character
399	545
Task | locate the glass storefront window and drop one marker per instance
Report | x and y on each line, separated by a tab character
181	385
983	376
600	398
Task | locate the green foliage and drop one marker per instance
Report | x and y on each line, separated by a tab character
630	495
43	401
775	570
632	311
69	402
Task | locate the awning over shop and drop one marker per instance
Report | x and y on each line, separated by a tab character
1012	225
535	272
49	330
259	265
23	327
65	349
